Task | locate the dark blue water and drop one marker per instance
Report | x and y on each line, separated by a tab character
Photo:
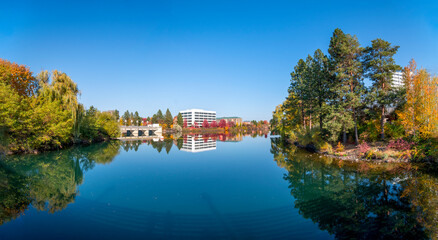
247	189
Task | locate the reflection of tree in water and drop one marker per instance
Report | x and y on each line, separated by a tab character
377	204
49	180
168	143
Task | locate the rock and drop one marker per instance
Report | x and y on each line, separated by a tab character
311	148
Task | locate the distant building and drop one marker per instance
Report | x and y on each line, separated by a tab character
198	144
246	123
198	116
236	120
397	80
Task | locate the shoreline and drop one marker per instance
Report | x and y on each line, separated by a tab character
379	153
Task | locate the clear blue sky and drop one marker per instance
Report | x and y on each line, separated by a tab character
233	57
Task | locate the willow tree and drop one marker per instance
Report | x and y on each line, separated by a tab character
379	65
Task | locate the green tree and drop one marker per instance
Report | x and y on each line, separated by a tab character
379	65
346	67
160	117
180	120
137	119
321	83
168	119
127	118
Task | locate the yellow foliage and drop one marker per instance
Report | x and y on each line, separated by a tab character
340	147
420	114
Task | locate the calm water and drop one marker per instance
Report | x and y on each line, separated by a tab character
208	188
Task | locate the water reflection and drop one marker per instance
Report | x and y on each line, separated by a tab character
361	201
47	181
187	142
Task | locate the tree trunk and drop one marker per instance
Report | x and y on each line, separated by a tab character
320	116
344	135
382	124
310	121
356	137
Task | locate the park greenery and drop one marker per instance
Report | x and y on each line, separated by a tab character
329	103
42	112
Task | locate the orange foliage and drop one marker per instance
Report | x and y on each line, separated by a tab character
19	77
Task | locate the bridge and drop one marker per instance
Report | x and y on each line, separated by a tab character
141	131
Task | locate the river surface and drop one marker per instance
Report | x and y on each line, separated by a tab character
211	187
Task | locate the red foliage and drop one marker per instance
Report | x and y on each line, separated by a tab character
363	147
222	123
400	144
205	124
213	124
231	124
195	124
185	123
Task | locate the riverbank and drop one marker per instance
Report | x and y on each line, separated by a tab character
398	151
7	152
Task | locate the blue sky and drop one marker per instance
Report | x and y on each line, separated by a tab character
233	57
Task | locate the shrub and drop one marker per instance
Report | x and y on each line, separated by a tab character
340	147
370	130
400	144
394	130
363	147
326	147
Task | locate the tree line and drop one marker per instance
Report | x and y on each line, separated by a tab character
42	112
327	94
166	120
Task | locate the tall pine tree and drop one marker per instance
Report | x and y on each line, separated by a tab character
346	68
379	65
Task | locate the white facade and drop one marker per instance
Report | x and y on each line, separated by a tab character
198	116
198	145
397	80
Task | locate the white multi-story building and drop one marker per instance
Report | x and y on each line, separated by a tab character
397	80
198	116
198	144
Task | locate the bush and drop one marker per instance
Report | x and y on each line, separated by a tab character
394	130
370	131
363	148
326	147
340	147
400	144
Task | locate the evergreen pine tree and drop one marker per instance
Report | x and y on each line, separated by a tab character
379	65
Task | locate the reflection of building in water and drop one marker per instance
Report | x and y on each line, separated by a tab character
198	145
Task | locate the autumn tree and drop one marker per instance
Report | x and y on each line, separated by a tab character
213	124
205	124
19	77
420	112
185	123
222	123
